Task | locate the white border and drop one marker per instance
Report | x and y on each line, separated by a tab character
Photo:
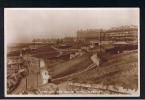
74	95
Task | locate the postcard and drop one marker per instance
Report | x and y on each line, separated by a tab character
72	52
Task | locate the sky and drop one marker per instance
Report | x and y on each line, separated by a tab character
24	24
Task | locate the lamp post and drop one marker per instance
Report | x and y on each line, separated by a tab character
38	72
100	43
26	83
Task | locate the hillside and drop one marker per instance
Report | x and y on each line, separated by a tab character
118	70
71	66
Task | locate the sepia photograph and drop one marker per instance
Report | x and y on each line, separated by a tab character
72	52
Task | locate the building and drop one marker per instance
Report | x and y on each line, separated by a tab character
122	33
89	34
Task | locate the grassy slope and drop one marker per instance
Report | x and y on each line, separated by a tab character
71	66
119	70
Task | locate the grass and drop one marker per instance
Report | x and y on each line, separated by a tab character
71	66
120	71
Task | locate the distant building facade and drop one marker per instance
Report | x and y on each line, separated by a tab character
88	34
122	33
